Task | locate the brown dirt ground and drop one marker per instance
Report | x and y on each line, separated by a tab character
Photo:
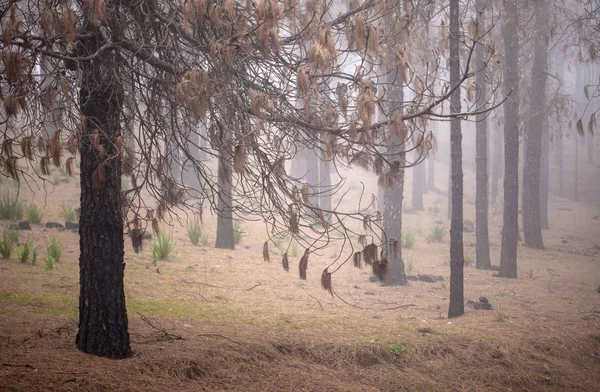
248	325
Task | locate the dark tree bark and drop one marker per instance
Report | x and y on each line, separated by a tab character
545	181
450	185
225	203
508	257
393	196
532	224
418	183
482	246
457	305
102	313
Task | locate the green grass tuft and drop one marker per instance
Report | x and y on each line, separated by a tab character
162	247
238	232
49	263
499	315
54	249
34	213
68	212
409	238
194	232
438	232
7	244
10	207
27	252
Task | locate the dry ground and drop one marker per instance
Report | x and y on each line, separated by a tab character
248	325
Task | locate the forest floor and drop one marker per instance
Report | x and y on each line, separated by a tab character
209	319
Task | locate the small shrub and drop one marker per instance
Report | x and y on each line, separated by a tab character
7	244
54	249
409	238
68	212
49	263
55	179
531	274
34	213
238	232
26	253
194	232
10	207
499	315
437	233
443	285
396	348
34	255
162	247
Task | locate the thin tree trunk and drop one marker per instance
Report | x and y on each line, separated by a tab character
545	181
576	171
102	312
498	144
450	189
508	257
394	194
457	305
532	224
225	203
482	246
325	186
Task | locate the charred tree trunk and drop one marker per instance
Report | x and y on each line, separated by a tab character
393	194
508	257
102	313
482	246
457	306
225	203
532	224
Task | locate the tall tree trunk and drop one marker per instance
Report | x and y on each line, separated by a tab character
225	204
591	80
576	171
325	186
191	178
102	313
545	181
508	257
450	187
532	224
457	306
394	194
418	183
482	246
498	152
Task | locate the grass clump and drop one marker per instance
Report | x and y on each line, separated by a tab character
162	247
396	348
10	207
34	213
55	178
49	263
194	232
238	232
410	265
531	274
468	259
27	253
8	243
409	238
438	232
68	212
54	249
499	315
